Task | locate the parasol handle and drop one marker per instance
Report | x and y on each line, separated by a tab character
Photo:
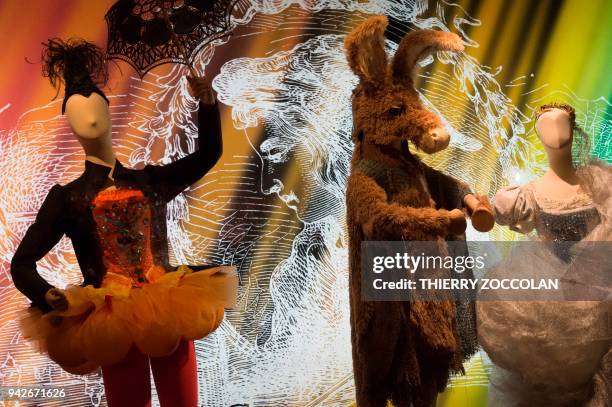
177	43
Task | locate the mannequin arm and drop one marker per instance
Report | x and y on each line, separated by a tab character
41	236
173	178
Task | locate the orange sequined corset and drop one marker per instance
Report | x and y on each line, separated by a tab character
123	221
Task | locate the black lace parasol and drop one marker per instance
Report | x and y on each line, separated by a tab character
148	33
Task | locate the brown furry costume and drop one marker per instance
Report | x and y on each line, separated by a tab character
402	351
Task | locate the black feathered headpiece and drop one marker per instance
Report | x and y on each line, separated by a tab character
80	64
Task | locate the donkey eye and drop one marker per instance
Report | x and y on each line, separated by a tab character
395	111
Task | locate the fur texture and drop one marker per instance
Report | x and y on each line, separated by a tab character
402	351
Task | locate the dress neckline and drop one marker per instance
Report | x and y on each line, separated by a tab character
579	201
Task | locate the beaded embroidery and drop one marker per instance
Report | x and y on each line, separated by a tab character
123	218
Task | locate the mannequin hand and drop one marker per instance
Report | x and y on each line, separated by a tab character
56	299
201	89
458	222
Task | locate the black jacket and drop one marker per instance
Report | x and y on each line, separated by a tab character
67	210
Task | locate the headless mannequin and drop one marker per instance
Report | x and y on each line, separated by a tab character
127	382
90	120
555	133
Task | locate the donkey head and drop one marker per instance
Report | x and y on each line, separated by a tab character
387	112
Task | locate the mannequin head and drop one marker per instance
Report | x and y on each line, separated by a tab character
555	123
89	119
80	65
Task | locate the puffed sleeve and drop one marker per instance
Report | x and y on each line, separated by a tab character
515	208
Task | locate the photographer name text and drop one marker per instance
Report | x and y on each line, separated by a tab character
467	284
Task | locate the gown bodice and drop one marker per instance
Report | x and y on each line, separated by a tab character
123	225
523	209
573	226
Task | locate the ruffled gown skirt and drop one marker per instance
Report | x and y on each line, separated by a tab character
102	324
546	353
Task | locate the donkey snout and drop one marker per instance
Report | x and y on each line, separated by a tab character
436	140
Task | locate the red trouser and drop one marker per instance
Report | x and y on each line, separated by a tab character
128	383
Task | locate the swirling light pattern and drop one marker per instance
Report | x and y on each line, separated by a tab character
274	205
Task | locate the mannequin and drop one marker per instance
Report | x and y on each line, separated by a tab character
89	119
552	352
555	132
134	312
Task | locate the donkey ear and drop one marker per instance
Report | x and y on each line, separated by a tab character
365	50
420	44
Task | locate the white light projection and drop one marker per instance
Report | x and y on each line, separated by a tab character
292	95
309	288
277	212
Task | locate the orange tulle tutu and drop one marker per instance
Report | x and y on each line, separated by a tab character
101	324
